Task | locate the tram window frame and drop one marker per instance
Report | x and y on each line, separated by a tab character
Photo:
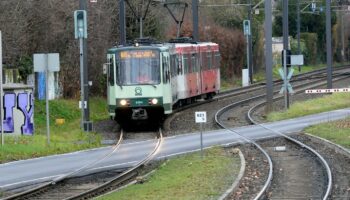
111	77
166	73
186	64
204	61
194	62
217	58
209	59
179	64
173	66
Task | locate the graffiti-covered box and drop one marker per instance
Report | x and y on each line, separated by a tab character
18	107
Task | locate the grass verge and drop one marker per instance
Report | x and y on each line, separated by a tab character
63	138
318	105
337	131
186	177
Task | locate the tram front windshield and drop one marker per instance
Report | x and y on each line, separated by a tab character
139	67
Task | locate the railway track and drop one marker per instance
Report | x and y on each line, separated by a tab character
266	155
302	157
298	152
297	155
36	192
65	187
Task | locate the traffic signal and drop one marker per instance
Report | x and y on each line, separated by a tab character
246	27
80	24
288	57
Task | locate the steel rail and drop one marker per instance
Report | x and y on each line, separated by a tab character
270	175
65	176
121	177
222	110
323	161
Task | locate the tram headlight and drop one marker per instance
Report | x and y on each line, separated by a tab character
123	102
154	101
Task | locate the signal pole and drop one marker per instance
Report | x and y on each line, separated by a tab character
285	43
122	22
329	44
86	124
250	46
268	53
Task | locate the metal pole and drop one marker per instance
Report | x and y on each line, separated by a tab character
268	55
285	41
84	76
141	21
195	20
122	22
47	98
285	79
1	95
250	45
248	66
201	139
298	29
342	38
81	81
329	44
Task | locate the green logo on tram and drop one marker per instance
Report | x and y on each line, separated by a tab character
138	91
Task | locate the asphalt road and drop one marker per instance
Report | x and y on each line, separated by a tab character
26	172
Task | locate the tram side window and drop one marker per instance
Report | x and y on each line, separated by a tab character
194	63
179	64
204	61
111	71
173	66
166	73
210	60
217	59
186	63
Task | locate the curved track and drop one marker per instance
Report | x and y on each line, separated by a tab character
40	190
302	145
300	88
269	178
122	178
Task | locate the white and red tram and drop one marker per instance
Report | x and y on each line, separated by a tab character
178	73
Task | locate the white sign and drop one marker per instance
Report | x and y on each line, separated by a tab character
52	62
85	104
201	117
328	90
297	60
39	62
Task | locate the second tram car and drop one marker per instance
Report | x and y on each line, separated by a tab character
148	80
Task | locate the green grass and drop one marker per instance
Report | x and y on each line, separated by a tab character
337	131
186	177
326	103
63	138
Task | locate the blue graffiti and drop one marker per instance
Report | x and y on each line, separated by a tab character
9	104
22	99
9	100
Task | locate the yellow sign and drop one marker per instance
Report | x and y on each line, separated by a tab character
138	54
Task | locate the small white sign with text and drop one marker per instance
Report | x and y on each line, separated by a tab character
201	117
